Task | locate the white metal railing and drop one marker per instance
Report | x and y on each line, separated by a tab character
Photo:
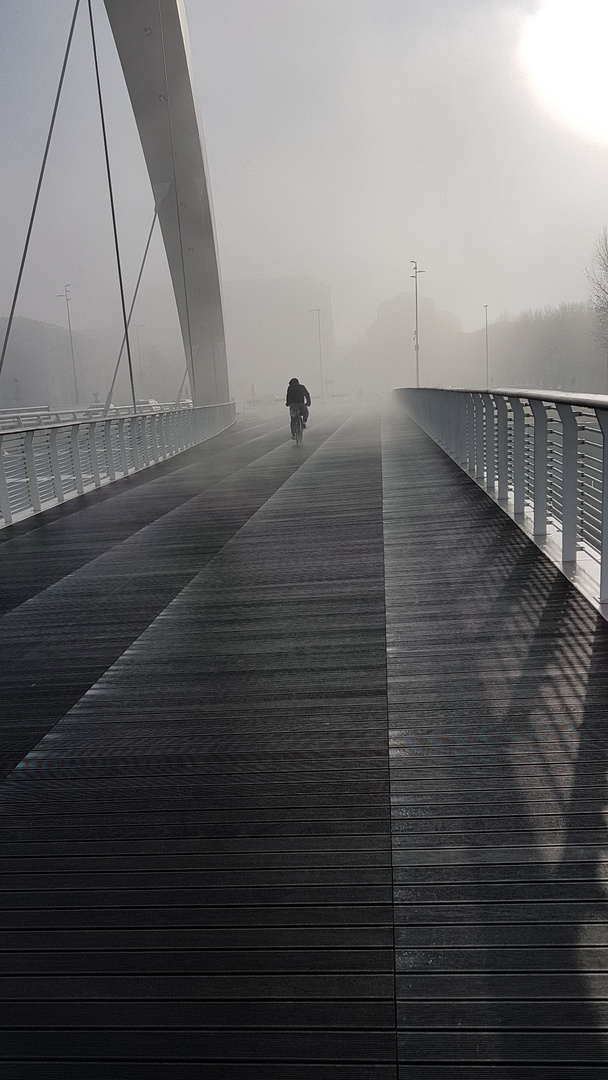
43	414
46	464
543	456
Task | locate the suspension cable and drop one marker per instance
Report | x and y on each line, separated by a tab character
39	185
113	209
124	337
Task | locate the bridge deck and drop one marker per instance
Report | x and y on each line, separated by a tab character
305	758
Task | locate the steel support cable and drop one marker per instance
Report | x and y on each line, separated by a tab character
179	223
112	206
39	186
108	401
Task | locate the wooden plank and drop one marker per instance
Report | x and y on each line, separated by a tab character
497	679
197	861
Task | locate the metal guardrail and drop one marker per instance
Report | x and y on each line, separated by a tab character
543	457
41	415
44	465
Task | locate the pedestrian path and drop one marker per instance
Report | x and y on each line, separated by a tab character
304	775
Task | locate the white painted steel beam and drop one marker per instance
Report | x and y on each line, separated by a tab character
151	38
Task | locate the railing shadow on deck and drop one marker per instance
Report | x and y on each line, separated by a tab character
551	717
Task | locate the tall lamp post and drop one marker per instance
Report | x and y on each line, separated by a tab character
416	339
318	311
487	352
67	299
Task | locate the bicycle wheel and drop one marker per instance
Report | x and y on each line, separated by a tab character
298	427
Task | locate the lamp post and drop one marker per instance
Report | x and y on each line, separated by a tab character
67	298
487	352
416	339
318	311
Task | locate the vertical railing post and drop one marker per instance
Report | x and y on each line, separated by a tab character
76	463
5	502
154	437
519	455
146	422
134	431
93	453
30	470
124	460
430	415
502	463
540	466
55	466
163	436
569	481
480	465
490	443
421	406
441	415
602	416
109	449
450	421
470	445
461	414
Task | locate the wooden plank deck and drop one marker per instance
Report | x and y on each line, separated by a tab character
497	685
304	758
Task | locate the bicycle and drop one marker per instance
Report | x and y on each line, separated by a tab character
297	425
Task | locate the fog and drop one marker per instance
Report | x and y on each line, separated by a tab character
345	138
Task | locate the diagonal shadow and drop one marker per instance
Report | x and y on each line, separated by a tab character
516	939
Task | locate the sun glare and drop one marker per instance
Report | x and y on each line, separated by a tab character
564	48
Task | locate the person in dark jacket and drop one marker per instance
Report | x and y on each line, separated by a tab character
297	394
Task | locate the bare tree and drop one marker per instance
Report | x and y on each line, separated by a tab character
597	277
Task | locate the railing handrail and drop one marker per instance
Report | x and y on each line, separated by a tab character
43	465
542	455
84	416
585	401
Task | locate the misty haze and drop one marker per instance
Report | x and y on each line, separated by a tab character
344	140
304	540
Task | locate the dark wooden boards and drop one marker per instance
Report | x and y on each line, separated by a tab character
212	864
498	682
82	581
197	859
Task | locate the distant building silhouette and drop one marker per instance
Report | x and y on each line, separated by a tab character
272	333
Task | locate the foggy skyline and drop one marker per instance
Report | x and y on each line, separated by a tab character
344	139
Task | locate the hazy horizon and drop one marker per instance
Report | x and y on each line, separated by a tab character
345	138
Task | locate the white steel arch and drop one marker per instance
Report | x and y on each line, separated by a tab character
152	42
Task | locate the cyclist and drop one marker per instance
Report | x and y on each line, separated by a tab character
297	394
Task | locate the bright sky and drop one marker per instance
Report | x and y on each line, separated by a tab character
344	137
563	48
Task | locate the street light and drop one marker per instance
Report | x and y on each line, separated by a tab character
487	352
416	339
318	311
67	299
